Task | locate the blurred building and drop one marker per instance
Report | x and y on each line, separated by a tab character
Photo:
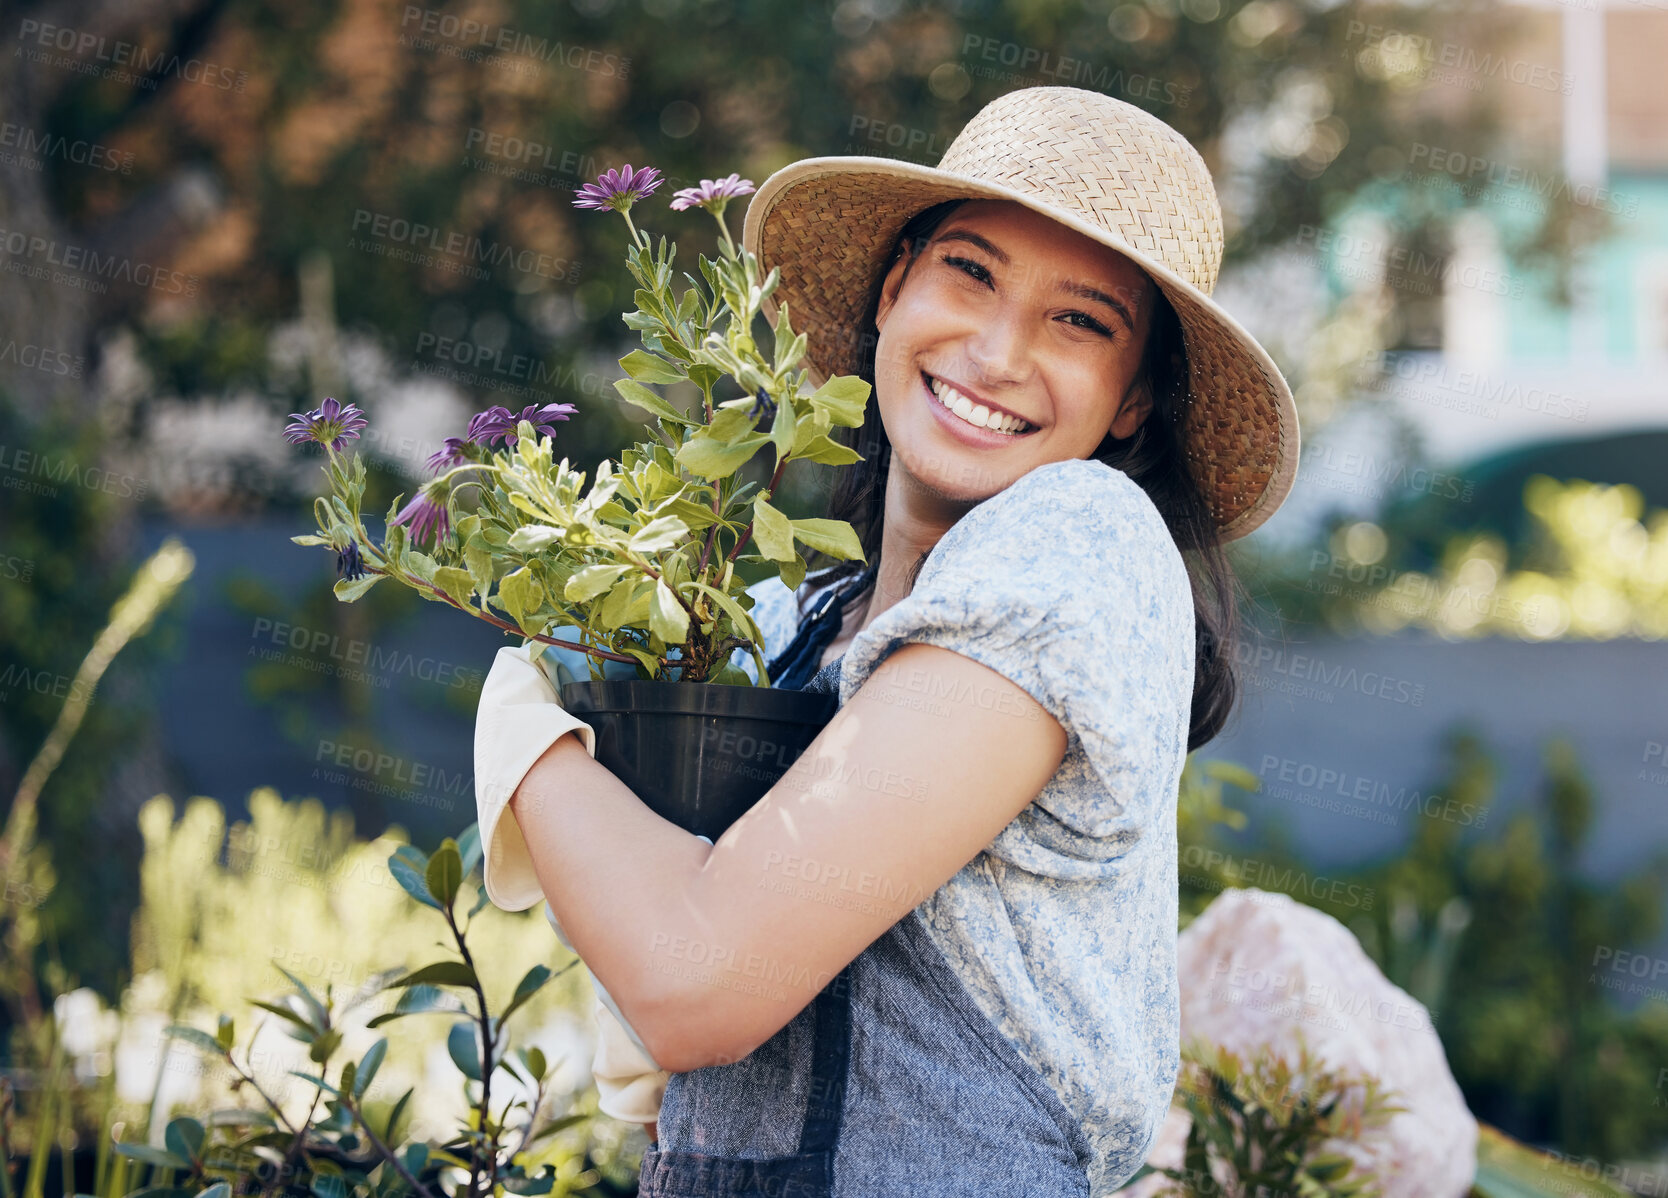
1488	360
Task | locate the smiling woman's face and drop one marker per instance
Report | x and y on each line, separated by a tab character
1007	311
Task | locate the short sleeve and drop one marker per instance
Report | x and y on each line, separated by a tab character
1068	584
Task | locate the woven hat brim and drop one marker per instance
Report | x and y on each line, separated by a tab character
829	222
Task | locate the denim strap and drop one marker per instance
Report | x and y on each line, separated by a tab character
801	657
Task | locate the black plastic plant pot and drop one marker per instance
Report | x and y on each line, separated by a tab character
700	754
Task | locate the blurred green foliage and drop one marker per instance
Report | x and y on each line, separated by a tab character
1595	567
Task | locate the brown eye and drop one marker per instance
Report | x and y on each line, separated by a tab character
968	267
1093	325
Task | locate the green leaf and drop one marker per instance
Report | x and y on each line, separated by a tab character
651	663
636	393
153	1156
421	564
349	589
782	431
457	584
284	1013
829	453
388	1136
732	420
793	573
310	540
695	515
707	458
556	1125
729	675
521	594
533	1058
445	873
420	999
844	397
441	973
326	1044
368	1065
184	1138
478	556
773	532
667	618
463	1044
586	584
529	985
659	534
530	1187
315	1009
532	538
646	368
200	1039
743	622
833	537
408	868
226	1033
627	603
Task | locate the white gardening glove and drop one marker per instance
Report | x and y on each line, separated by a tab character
629	1083
518	718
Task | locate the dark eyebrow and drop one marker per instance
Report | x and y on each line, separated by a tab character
1082	290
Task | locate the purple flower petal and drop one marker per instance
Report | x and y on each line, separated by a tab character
617	190
712	193
426	515
332	423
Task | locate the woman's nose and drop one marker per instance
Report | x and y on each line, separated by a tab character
1001	349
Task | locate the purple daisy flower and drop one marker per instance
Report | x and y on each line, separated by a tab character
349	564
618	190
426	514
499	424
712	193
483	423
331	424
450	454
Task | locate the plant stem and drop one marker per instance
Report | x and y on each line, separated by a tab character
265	1097
385	1152
712	533
488	1044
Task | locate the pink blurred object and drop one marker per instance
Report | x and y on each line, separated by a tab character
1255	969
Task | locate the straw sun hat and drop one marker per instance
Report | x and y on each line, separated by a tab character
1097	165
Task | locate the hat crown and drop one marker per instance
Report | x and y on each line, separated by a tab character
1108	163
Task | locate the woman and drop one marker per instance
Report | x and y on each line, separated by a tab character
939	955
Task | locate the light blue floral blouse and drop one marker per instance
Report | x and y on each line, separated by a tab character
1063	929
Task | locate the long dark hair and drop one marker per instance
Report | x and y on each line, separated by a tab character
1154	458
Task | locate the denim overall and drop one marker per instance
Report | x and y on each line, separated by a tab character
891	1081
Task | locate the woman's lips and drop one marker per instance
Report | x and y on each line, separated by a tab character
970	433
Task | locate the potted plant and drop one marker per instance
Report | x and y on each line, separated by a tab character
642	562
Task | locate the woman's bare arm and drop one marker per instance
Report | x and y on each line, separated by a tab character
709	951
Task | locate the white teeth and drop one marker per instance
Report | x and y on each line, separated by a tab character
976	414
